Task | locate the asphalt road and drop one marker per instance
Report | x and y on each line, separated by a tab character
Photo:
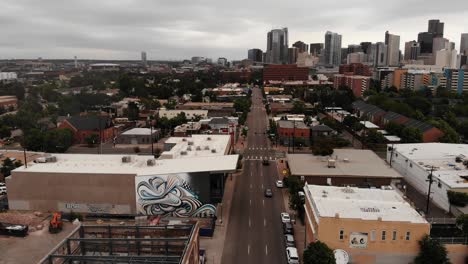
254	232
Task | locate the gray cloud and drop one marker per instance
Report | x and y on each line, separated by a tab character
120	29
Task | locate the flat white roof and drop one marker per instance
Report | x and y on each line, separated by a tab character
112	164
363	204
139	131
392	138
348	163
197	146
368	124
442	157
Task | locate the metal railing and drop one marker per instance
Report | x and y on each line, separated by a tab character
442	220
451	240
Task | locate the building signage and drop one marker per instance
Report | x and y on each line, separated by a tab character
358	240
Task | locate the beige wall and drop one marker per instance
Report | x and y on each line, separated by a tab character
80	192
378	251
457	253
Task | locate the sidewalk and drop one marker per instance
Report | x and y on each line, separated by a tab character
214	246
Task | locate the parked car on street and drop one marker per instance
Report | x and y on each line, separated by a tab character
285	218
279	184
288	228
268	193
289	241
292	256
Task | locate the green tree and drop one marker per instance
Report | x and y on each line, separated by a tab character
431	251
92	139
33	140
298	107
411	135
462	223
132	111
5	132
372	136
318	253
125	84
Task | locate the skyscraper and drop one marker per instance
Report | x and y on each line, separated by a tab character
412	50
302	47
365	47
332	49
277	46
354	48
393	49
255	55
464	44
292	55
316	48
436	28
425	40
380	54
143	59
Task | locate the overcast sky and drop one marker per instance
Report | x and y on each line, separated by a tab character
178	29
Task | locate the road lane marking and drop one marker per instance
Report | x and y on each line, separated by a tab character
250	202
248	249
263	202
250	223
264	222
250	186
262	186
266	249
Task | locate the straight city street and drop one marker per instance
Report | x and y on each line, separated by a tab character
255	233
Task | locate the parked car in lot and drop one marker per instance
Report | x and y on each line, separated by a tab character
268	193
279	184
292	256
285	218
288	228
289	240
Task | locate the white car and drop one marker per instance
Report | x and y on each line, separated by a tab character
285	218
279	184
292	256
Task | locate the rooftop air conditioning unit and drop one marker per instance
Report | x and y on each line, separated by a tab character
126	159
346	160
331	163
190	143
51	159
40	160
184	139
198	148
207	147
189	149
183	153
213	151
208	138
151	162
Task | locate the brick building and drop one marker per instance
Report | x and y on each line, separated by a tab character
293	132
289	72
357	83
84	126
8	102
356	69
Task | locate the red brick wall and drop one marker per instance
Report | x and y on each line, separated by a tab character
289	72
432	135
79	136
299	133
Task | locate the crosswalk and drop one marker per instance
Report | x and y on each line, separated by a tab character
260	158
259	148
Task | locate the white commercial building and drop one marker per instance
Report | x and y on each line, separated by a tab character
416	161
8	76
189	114
446	58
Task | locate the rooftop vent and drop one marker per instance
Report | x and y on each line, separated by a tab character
183	153
198	148
126	159
347	189
208	138
213	151
189	149
346	160
151	162
184	139
207	147
190	143
331	163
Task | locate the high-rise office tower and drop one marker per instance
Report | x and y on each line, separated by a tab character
143	58
380	54
354	48
365	47
222	61
412	50
464	44
302	47
316	48
76	62
277	46
293	53
393	49
255	55
436	28
332	50
425	40
344	55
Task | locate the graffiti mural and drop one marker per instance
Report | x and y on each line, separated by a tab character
169	195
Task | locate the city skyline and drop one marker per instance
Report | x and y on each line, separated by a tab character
174	31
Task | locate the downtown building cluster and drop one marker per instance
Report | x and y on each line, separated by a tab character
431	61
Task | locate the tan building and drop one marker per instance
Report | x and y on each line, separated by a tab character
9	102
371	225
345	167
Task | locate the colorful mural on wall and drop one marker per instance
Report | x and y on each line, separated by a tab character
169	195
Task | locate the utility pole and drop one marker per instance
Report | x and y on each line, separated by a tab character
294	134
430	180
391	155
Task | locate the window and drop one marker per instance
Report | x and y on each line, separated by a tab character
341	234
408	235
394	235
372	235
384	235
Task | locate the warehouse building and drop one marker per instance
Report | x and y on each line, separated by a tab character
345	167
129	184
